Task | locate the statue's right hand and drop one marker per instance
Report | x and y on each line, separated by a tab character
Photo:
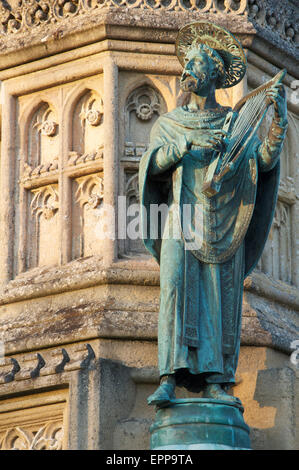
207	138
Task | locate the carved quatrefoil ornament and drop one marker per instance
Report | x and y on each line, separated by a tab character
144	111
145	102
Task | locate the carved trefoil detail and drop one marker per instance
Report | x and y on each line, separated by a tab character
132	188
90	190
45	201
144	101
42	144
133	244
277	255
88	194
87	123
92	111
142	109
45	125
48	437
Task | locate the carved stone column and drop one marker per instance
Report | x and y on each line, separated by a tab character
110	155
7	174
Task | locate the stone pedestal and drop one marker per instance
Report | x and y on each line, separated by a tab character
200	423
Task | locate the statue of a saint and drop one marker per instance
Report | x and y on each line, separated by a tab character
202	282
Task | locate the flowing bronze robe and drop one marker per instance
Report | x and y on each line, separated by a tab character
202	287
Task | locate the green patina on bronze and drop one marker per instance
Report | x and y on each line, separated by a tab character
200	424
202	284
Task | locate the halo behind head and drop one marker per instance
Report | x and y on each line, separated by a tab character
219	39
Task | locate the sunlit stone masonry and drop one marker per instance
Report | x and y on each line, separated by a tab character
82	83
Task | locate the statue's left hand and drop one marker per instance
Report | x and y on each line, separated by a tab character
207	138
276	94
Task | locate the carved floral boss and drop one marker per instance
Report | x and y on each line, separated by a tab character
45	125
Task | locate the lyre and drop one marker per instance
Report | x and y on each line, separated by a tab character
241	128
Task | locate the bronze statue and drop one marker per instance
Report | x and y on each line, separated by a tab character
205	155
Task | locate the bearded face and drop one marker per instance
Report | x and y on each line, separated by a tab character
191	82
199	73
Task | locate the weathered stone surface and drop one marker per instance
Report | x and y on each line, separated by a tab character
69	115
268	383
50	22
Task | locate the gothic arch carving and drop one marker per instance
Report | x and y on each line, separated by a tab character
84	113
142	107
39	141
159	84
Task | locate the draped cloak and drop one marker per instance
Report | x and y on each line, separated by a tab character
202	283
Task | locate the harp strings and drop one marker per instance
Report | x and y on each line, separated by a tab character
248	116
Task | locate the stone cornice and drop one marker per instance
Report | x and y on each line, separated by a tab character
270	308
81	274
27	23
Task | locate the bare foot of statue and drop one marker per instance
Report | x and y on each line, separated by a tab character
216	391
164	393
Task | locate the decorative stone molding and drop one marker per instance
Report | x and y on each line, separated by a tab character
90	190
45	201
30	173
132	186
145	102
52	362
281	216
76	159
287	191
93	110
33	13
278	17
47	172
133	151
93	117
276	260
48	437
46	126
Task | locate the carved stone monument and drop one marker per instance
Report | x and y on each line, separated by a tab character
83	83
210	160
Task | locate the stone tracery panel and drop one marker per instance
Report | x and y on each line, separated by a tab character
39	201
45	201
133	242
34	422
86	152
47	437
53	160
87	120
142	108
43	227
279	255
42	138
88	193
